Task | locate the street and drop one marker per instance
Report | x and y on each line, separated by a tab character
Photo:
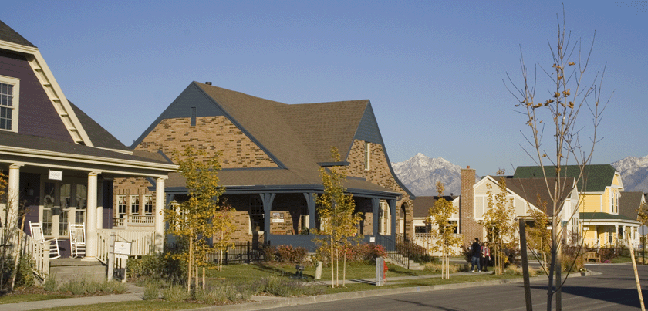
613	290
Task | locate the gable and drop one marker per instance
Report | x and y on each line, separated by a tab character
181	107
36	115
368	128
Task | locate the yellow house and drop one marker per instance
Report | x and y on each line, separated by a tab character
600	193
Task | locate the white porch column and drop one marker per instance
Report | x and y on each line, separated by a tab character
12	194
159	215
91	218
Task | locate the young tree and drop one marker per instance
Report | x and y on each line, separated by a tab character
560	106
499	221
539	236
199	218
336	210
442	236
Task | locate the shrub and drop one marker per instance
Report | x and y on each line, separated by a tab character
25	274
50	284
151	291
285	253
175	293
156	266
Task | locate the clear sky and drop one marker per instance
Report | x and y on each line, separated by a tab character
432	70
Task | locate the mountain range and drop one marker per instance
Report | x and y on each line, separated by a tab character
420	174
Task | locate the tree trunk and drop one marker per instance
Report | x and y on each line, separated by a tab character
189	267
636	273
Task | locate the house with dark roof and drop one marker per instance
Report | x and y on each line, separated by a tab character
421	221
600	191
60	163
271	153
524	193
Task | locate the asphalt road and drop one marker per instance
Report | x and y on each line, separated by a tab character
615	289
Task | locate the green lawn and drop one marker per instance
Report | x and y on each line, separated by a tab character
23	297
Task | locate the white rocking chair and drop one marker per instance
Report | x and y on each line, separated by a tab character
77	240
36	229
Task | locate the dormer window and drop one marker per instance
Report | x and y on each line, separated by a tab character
9	103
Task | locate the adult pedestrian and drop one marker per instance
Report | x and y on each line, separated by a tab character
487	257
475	249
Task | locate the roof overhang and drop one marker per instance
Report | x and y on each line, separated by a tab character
80	162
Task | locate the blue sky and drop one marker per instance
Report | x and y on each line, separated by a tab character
432	70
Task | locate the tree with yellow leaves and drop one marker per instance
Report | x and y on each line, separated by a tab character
336	210
539	236
442	235
499	221
569	92
199	218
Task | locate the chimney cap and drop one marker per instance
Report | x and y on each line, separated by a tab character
468	167
208	83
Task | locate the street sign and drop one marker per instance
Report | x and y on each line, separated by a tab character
643	230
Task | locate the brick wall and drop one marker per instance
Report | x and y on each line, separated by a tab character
469	228
380	174
212	134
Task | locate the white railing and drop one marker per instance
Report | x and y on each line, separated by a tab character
425	240
142	242
135	220
37	250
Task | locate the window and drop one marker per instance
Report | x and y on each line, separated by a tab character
135	204
367	155
148	204
9	90
121	206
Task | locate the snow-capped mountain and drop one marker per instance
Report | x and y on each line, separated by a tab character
634	173
420	175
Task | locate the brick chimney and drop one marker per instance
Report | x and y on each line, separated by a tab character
468	227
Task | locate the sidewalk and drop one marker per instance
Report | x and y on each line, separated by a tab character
135	293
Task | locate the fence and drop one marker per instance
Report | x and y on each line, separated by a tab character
142	242
39	251
239	253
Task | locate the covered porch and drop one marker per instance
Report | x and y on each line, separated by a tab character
289	216
607	230
73	185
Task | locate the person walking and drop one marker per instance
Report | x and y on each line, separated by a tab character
475	249
487	257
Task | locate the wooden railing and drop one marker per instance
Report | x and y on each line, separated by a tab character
38	251
136	220
142	242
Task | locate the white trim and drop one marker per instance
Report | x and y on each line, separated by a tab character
15	102
6	45
54	92
53	155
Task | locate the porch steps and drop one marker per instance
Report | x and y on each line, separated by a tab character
65	270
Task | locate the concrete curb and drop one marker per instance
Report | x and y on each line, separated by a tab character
278	302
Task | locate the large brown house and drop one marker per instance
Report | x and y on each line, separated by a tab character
271	154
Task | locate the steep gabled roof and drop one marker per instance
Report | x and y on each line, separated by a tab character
534	190
422	204
296	137
595	176
329	125
629	203
98	135
10	35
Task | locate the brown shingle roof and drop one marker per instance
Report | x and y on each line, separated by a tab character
297	136
422	204
534	190
10	35
629	203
